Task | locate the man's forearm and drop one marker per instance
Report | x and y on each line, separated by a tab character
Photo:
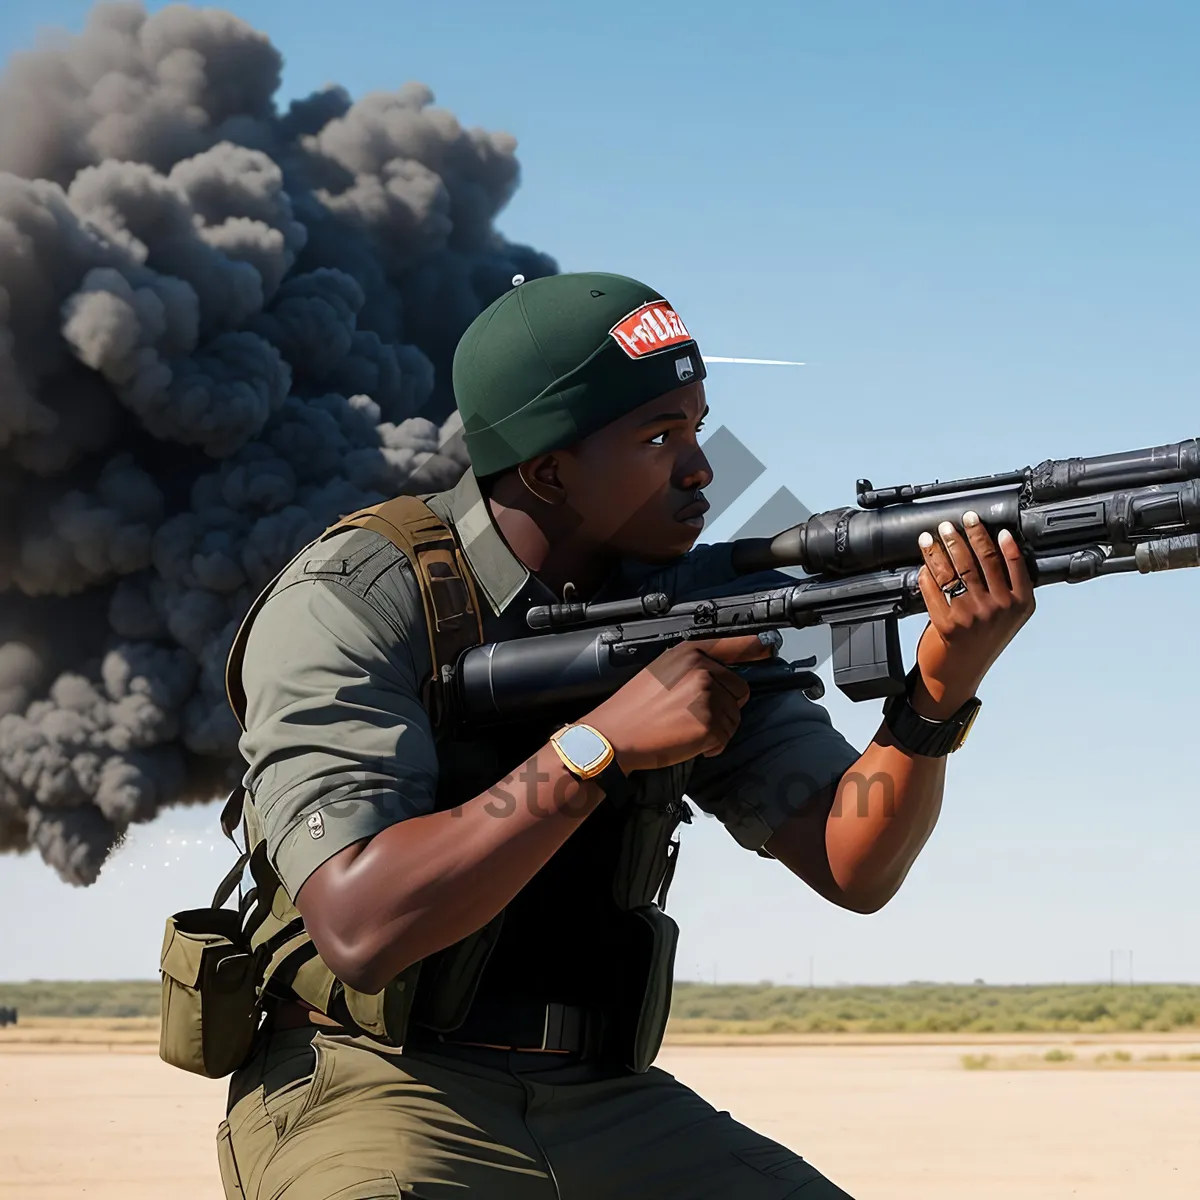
856	845
428	882
885	808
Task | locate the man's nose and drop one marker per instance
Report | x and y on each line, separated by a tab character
694	471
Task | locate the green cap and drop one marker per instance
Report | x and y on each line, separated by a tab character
555	359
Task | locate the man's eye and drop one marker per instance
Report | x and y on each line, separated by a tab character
659	439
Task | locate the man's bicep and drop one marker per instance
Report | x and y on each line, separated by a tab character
784	753
338	741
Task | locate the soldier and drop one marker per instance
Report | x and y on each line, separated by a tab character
498	891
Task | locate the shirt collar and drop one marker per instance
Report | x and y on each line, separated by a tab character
500	575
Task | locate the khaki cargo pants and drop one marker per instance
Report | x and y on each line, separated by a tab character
331	1117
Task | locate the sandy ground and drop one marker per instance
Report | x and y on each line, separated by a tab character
888	1118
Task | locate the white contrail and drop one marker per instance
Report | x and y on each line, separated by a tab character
762	362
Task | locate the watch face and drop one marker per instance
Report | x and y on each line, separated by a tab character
583	747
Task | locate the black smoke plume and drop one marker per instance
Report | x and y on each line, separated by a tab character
222	326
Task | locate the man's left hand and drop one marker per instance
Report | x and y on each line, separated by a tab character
978	593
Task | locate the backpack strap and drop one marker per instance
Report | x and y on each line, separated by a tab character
452	614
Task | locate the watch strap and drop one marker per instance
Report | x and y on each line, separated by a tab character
612	781
923	735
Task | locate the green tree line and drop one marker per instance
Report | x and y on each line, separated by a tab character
936	1008
767	1008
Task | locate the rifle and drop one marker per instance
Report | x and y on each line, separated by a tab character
1073	519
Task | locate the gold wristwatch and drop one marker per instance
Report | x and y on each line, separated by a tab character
587	754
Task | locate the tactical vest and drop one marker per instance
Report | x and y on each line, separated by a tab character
221	968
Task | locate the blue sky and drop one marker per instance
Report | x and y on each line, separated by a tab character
978	226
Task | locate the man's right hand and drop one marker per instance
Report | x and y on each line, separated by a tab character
687	703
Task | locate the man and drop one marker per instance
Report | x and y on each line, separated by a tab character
525	873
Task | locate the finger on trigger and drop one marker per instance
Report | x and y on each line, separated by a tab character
747	648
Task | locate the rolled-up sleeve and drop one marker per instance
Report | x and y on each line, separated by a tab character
784	752
338	743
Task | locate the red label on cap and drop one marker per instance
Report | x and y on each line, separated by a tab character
653	327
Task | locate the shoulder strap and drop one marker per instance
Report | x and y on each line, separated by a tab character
452	615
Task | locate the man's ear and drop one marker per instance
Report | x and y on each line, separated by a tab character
542	478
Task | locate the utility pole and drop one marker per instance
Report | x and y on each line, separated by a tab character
1112	966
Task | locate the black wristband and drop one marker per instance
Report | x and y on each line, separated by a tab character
922	735
614	782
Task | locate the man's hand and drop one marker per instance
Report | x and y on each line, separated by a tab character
686	703
967	631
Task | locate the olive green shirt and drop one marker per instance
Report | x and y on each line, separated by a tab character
339	745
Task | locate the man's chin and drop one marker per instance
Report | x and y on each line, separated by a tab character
671	546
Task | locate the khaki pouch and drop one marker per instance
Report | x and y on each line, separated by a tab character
209	996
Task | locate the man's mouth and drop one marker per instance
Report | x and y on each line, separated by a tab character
693	512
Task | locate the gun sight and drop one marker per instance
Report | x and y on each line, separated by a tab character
1058	479
563	616
870	496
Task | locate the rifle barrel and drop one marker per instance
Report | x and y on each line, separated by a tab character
847	541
